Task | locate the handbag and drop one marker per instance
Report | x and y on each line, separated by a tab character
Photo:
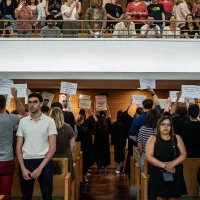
168	177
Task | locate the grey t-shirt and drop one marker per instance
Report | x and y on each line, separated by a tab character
46	32
7	122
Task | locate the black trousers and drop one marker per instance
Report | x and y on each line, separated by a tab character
45	180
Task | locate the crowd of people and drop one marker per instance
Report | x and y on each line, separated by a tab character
146	19
165	137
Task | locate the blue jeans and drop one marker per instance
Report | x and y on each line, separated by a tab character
142	162
118	166
45	180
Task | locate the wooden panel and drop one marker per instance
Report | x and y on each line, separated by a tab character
191	166
137	180
144	187
105	84
132	171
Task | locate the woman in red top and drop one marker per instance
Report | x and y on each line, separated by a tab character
138	11
168	7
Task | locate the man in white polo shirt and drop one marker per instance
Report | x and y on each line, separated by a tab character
36	145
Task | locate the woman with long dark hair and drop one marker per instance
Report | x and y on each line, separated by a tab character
190	30
146	131
101	140
166	152
118	139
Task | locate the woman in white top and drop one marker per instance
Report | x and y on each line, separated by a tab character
180	11
70	12
171	31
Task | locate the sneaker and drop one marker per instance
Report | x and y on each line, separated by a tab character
117	171
88	174
86	180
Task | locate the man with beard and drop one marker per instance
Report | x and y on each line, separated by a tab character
36	145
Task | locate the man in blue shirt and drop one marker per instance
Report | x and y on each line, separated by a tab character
138	122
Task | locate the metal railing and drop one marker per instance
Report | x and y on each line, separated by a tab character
79	29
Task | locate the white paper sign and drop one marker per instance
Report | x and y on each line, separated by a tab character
84	97
163	103
173	96
84	104
47	98
6	83
147	83
101	103
21	91
138	99
191	91
5	89
68	88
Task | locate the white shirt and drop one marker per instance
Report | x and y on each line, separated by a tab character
36	136
66	9
122	31
167	33
151	33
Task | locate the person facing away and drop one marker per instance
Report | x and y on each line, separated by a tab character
65	141
118	139
50	31
36	145
7	123
149	128
125	29
190	132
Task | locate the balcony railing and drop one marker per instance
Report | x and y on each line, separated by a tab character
80	30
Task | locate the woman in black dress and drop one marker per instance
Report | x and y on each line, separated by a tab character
85	127
166	153
101	140
118	139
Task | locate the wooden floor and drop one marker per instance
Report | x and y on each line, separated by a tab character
109	186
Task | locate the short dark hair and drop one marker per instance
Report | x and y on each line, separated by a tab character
193	110
37	95
50	17
147	104
45	109
82	112
2	102
57	104
15	112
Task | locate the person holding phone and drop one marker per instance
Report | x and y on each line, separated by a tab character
23	12
150	30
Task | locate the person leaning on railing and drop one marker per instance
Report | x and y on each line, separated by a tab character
190	30
7	29
150	30
50	31
125	29
70	12
96	12
171	31
23	12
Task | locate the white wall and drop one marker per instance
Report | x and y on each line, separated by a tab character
100	55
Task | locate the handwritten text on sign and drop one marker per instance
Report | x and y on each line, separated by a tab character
68	88
138	99
147	83
191	91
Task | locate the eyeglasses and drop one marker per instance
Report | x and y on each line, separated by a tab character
34	102
165	124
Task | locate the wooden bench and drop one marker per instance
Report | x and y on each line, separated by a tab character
190	168
138	180
132	171
61	180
